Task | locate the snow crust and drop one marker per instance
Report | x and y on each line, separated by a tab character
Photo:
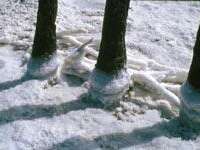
190	106
109	89
160	37
42	68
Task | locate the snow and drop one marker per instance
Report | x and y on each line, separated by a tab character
109	89
40	68
190	110
160	37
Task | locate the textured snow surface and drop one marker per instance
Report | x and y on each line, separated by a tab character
61	117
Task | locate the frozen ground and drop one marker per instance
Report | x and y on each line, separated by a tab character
61	117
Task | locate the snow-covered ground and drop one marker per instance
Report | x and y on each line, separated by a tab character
62	117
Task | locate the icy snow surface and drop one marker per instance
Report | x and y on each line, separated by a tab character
61	117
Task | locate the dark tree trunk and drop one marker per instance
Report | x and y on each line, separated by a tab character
112	54
194	73
45	35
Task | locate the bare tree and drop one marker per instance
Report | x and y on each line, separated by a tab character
194	73
43	62
190	91
112	55
110	80
45	34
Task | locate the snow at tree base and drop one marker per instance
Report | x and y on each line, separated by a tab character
36	115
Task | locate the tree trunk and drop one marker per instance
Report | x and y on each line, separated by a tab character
45	35
112	54
190	94
194	73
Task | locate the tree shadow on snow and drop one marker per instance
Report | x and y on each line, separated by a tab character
72	81
11	84
169	129
30	112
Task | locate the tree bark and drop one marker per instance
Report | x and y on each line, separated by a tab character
45	35
194	73
112	54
